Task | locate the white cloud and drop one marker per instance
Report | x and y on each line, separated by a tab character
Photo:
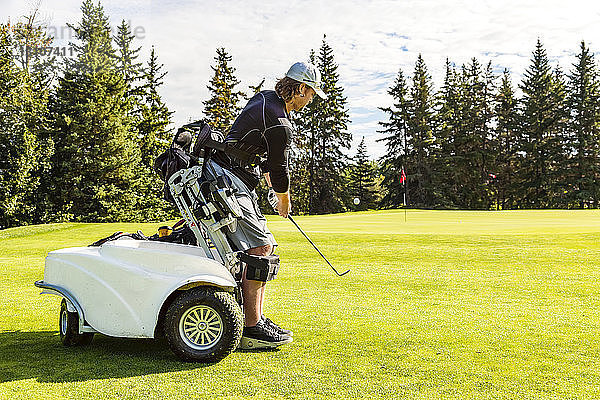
371	40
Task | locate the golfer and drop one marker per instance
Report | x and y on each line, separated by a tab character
264	128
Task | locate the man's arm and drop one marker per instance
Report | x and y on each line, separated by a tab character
284	205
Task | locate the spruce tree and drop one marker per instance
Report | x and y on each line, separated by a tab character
96	163
24	80
489	140
362	179
154	138
223	106
303	155
473	157
583	172
127	61
448	123
30	41
396	142
538	128
256	89
149	117
557	142
420	126
131	71
155	116
507	128
331	128
410	140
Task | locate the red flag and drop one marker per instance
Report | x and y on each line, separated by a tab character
402	176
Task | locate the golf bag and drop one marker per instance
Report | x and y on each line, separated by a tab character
176	158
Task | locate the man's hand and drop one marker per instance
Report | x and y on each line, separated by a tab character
284	206
280	202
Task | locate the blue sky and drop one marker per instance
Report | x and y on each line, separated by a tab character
372	40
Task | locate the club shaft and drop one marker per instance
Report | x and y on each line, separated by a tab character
316	248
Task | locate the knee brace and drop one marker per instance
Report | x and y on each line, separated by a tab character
260	268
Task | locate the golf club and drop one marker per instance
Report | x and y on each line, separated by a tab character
307	238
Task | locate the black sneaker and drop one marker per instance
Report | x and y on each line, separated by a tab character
262	336
276	327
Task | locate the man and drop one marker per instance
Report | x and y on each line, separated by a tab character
264	128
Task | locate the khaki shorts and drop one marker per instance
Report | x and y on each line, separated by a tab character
252	228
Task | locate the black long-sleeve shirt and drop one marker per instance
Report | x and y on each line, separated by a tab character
262	128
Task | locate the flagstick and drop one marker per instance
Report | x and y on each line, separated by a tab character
404	184
404	200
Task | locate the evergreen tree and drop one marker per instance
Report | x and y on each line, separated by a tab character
303	155
489	139
507	129
30	41
299	161
96	163
558	140
150	118
154	137
538	128
330	125
396	141
583	172
362	179
448	122
24	80
420	143
410	140
127	64
155	116
474	150
256	89
318	162
223	106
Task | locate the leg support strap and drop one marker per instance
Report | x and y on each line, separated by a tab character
260	268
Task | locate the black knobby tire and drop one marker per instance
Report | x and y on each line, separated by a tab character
68	328
203	324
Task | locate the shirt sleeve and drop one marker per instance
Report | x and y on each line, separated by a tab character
278	140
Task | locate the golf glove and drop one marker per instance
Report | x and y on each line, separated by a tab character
272	197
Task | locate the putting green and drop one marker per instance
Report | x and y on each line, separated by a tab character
450	304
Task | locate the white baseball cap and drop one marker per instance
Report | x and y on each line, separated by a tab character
308	74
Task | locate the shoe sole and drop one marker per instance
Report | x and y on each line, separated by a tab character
253	344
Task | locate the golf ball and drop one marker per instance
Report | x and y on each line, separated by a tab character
356	201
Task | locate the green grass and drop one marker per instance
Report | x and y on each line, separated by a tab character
450	305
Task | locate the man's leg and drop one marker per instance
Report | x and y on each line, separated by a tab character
254	291
262	299
263	289
258	333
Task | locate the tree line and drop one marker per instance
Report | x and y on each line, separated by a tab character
79	134
478	144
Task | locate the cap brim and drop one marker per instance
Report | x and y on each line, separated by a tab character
320	93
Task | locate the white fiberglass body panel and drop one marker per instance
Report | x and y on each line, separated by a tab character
122	284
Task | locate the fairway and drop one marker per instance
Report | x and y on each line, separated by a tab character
449	304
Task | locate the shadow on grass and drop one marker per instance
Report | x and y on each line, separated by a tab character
40	355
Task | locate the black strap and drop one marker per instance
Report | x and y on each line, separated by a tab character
231	150
205	140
